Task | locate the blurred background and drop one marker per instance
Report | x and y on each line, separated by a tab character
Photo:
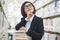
10	15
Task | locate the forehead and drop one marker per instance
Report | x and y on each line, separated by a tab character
27	3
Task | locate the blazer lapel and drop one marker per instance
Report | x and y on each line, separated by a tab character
32	23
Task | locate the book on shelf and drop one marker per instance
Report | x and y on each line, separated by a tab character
48	24
52	24
58	6
39	4
57	24
51	9
48	36
57	37
39	13
45	11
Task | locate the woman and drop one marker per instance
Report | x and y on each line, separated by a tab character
30	23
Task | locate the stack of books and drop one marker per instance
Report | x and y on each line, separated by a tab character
21	35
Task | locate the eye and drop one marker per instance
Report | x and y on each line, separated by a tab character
26	6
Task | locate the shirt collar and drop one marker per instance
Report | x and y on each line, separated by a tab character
30	18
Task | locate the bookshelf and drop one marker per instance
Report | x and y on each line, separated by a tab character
50	13
53	32
4	25
55	16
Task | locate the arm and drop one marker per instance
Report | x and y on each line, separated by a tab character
40	31
22	23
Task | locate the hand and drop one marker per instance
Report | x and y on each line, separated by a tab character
22	28
29	15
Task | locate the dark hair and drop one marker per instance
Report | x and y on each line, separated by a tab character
22	9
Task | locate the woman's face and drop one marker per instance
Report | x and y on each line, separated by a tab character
28	8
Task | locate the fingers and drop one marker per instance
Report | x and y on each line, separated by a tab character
23	28
29	15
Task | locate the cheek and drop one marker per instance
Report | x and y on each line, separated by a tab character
32	9
26	10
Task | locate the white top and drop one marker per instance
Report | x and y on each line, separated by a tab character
28	24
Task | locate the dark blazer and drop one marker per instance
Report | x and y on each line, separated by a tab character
36	29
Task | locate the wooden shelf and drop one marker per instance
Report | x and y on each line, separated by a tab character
52	16
3	33
44	5
52	32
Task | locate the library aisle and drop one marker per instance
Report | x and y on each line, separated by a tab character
10	16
